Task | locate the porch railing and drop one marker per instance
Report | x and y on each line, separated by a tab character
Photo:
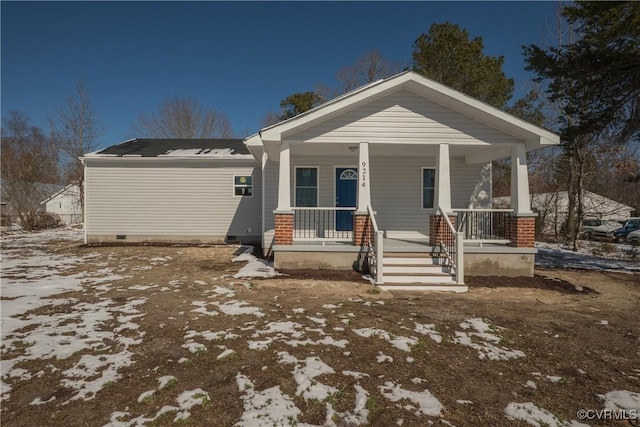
452	244
375	250
334	224
483	225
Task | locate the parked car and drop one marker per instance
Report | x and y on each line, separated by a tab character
590	224
631	225
604	231
634	237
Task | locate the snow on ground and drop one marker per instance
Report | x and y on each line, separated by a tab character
538	417
31	276
255	267
485	340
555	255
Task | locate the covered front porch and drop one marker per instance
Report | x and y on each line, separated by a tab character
386	207
395	178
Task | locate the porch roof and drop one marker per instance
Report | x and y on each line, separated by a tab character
531	135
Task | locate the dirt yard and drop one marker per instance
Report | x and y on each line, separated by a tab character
144	335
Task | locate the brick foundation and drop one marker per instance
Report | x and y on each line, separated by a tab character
521	231
284	229
439	231
362	230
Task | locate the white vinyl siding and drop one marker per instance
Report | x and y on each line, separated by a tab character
396	187
403	117
170	198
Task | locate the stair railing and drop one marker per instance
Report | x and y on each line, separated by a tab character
375	249
454	250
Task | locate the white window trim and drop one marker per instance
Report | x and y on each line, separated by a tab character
233	188
422	169
295	184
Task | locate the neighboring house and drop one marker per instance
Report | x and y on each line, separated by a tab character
372	178
65	204
552	209
23	197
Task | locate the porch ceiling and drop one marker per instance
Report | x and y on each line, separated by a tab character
470	154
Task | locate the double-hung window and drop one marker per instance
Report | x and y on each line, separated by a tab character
243	185
428	188
306	187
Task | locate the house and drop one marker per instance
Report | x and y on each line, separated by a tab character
552	209
188	191
394	176
65	204
23	198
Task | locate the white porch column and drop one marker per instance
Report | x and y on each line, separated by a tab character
284	178
519	180
364	189
443	179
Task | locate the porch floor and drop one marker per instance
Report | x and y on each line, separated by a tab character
415	245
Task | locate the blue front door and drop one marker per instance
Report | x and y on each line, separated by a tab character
346	196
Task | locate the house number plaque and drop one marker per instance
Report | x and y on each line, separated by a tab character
363	174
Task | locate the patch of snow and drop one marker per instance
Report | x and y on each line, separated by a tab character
166	380
354	374
399	342
145	395
621	400
381	358
487	347
427	403
255	267
554	255
265	408
538	417
428	329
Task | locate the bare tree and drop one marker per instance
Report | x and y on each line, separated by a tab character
368	68
76	132
29	163
183	118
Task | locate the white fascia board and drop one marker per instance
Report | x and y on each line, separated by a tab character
333	107
422	86
109	158
483	108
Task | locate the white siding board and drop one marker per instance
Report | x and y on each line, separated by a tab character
396	187
402	117
148	198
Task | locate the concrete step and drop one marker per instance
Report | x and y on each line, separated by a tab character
429	269
405	279
424	287
392	260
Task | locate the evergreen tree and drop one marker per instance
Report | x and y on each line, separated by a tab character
446	55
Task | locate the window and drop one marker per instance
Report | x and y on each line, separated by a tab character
306	187
242	185
428	188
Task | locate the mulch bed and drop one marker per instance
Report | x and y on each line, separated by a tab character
537	281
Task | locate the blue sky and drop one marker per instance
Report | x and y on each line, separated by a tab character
241	58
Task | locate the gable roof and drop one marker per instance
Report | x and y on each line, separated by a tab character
534	136
176	148
70	190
